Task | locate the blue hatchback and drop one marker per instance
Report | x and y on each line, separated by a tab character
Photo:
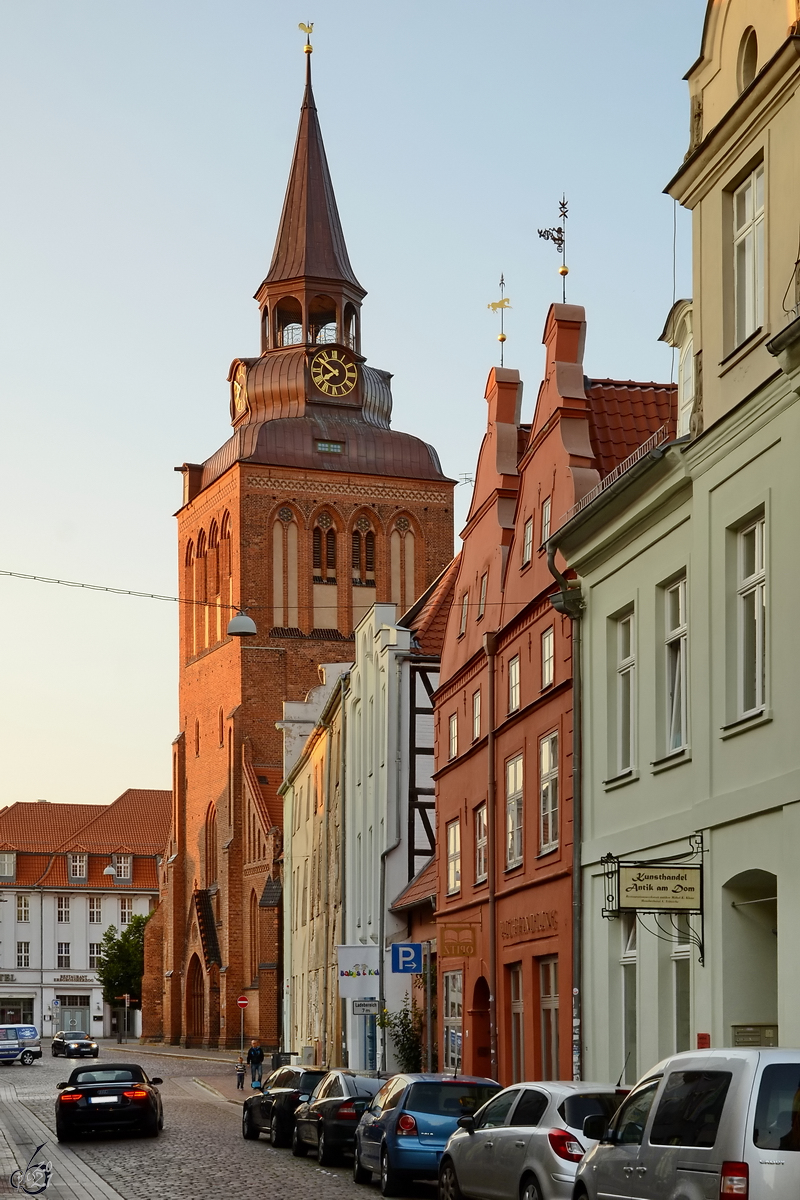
404	1131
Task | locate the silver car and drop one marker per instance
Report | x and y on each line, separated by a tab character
526	1143
701	1125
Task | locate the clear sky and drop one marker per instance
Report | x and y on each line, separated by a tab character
145	149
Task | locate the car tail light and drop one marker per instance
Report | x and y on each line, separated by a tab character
136	1094
347	1112
565	1145
67	1096
406	1124
735	1179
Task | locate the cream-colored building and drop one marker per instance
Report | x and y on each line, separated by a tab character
689	569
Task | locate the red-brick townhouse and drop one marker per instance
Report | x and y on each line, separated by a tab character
68	872
504	716
313	510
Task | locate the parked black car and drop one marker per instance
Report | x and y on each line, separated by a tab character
112	1097
271	1110
328	1120
74	1044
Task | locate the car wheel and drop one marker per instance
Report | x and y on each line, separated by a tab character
152	1128
360	1174
277	1137
326	1155
62	1134
54	1052
299	1149
26	1058
448	1183
530	1190
391	1180
96	1054
250	1130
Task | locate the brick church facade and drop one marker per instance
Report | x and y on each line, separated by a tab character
313	510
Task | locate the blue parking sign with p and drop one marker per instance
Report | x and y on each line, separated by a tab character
407	958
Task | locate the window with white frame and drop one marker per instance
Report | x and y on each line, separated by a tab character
513	684
453	730
23	908
95	954
481	844
23	954
626	692
482	598
685	387
676	651
7	864
527	541
77	866
63	955
453	857
514	787
628	963
517	1023
748	254
548	792
476	715
62	910
545	519
681	978
548	1009
464	610
122	865
547	657
125	909
752	618
95	910
452	1017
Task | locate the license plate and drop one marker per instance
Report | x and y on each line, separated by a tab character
103	1099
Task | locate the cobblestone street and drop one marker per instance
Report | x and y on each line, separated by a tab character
201	1152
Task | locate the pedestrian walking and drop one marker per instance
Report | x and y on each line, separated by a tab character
240	1074
255	1059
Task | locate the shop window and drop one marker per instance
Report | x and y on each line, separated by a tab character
548	1006
452	1018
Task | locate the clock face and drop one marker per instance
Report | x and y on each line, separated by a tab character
333	373
239	388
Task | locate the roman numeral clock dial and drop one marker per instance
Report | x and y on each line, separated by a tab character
333	373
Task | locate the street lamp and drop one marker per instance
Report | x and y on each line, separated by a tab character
242	626
110	870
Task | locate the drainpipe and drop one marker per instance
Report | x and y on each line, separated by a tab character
343	1051
490	647
398	662
569	602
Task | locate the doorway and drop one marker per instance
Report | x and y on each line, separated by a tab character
73	1014
480	1028
750	958
195	1003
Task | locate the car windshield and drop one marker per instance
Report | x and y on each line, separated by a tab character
366	1086
575	1109
448	1099
121	1075
310	1079
74	1037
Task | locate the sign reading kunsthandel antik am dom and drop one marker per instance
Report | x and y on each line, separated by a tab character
669	889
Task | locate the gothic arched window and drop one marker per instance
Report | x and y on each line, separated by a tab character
402	550
211	846
285	611
363	553
253	937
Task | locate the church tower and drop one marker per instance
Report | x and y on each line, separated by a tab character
313	510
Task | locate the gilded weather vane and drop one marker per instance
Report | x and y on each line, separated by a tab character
558	236
500	306
307	30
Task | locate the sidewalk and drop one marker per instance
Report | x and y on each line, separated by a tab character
112	1046
225	1086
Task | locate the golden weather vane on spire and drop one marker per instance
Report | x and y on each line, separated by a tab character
558	236
500	306
307	30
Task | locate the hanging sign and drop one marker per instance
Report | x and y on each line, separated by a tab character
459	941
358	974
649	887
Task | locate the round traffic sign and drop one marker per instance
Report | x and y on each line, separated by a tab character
243	1002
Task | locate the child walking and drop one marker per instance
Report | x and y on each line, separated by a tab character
240	1074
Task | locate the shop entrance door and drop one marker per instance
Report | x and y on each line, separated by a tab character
73	1015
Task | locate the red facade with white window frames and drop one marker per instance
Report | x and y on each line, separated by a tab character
527	477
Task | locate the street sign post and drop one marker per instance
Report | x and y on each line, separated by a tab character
243	1003
366	1008
407	958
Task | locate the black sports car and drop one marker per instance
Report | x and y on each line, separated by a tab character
74	1044
115	1096
328	1120
271	1110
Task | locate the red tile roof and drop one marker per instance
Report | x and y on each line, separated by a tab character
419	890
42	825
427	618
136	823
623	414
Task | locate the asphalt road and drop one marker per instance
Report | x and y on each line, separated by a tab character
200	1153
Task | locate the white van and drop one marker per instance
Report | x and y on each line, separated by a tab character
19	1043
701	1125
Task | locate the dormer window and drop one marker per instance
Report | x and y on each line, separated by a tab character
122	865
8	864
77	865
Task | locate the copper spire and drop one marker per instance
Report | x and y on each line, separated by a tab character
310	241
